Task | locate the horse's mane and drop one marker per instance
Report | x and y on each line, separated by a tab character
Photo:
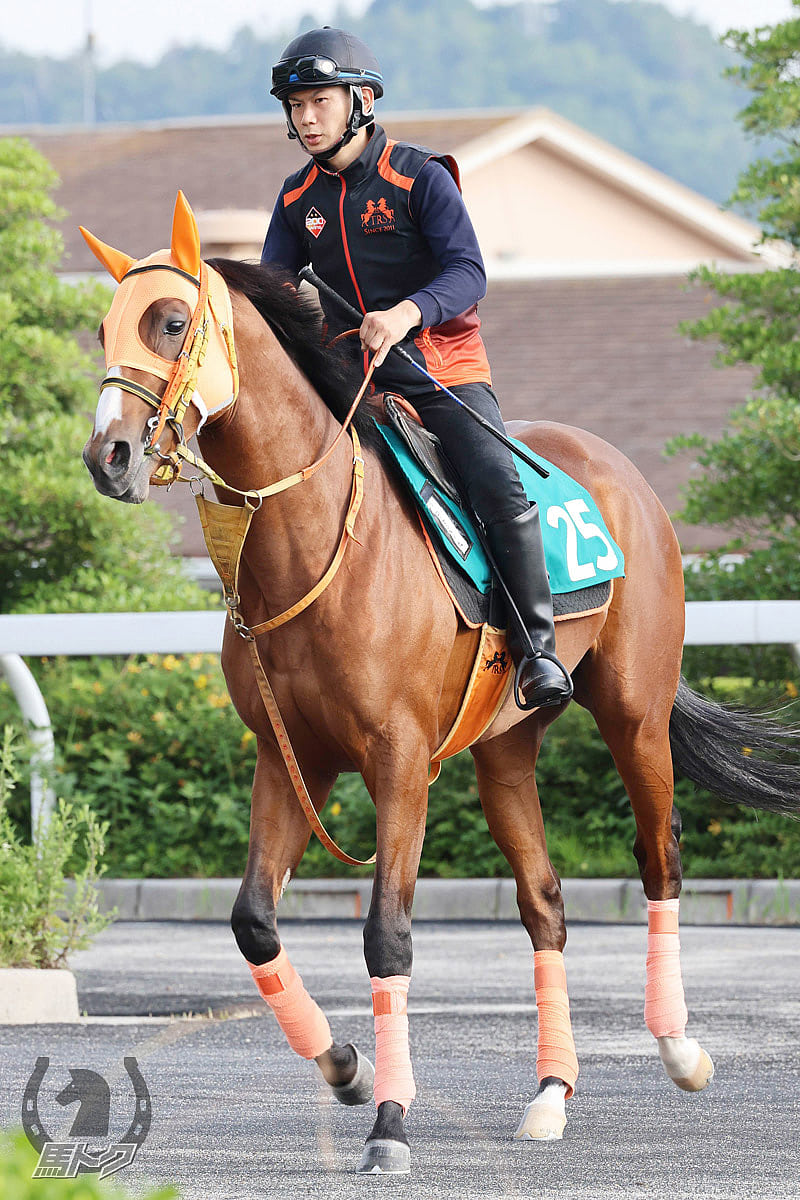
297	323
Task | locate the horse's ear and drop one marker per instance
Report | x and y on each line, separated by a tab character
185	247
114	261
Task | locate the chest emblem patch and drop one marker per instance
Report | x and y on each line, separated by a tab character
377	217
315	222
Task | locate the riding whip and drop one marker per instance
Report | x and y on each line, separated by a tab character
309	275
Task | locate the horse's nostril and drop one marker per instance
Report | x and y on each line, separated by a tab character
117	457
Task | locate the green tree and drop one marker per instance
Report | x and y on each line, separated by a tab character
63	547
749	481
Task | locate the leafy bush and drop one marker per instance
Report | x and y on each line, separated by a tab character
64	547
18	1159
154	746
40	925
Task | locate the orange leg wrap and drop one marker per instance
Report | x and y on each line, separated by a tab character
556	1049
394	1078
665	1012
301	1019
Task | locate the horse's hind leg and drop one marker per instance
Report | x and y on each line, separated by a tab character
278	836
507	787
632	713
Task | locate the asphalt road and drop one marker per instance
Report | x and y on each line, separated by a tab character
236	1115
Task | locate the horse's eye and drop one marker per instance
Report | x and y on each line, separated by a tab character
174	327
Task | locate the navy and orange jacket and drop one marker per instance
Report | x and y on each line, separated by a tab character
391	226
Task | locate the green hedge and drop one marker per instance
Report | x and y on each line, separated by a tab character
155	747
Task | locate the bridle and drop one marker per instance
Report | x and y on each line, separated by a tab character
171	407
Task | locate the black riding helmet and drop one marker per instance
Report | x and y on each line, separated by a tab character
323	58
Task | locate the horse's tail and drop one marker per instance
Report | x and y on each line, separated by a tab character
744	757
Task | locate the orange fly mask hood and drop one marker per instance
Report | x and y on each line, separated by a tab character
176	273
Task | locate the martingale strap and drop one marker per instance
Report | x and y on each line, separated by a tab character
225	528
293	767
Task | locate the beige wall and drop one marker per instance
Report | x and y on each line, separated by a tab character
232	233
535	204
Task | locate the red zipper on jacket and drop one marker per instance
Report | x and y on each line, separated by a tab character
347	248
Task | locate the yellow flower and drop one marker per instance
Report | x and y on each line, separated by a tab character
170	662
247	737
77	747
97	688
219	699
747	751
714	827
145	691
133	668
159	717
335	808
134	736
791	689
195	661
201	681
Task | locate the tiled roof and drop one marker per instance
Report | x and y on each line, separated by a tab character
121	182
603	354
606	355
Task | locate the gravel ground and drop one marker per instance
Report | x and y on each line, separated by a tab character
235	1114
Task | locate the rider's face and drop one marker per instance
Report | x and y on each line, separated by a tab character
320	116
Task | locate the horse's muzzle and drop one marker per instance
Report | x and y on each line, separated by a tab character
119	470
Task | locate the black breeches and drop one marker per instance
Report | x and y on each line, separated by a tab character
485	467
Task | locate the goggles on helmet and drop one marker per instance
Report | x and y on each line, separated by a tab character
315	69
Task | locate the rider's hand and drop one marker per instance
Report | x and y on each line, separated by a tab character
381	330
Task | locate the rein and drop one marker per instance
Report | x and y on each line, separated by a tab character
225	526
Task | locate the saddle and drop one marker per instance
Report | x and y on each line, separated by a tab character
423	445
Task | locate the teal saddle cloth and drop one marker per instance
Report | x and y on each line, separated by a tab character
579	550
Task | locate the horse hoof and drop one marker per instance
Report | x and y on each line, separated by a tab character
359	1089
541	1123
701	1077
384	1156
686	1062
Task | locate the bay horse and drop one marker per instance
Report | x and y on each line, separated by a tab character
369	676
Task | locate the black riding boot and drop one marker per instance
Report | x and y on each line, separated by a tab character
517	548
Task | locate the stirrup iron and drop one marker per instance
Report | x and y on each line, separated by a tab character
519	695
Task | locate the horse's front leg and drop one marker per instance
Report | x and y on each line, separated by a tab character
399	786
279	835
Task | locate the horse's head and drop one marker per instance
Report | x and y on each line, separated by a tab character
168	340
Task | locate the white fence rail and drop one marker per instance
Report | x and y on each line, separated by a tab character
708	623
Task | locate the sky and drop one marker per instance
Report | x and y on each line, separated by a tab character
144	29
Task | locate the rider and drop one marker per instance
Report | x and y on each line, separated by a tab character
384	224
